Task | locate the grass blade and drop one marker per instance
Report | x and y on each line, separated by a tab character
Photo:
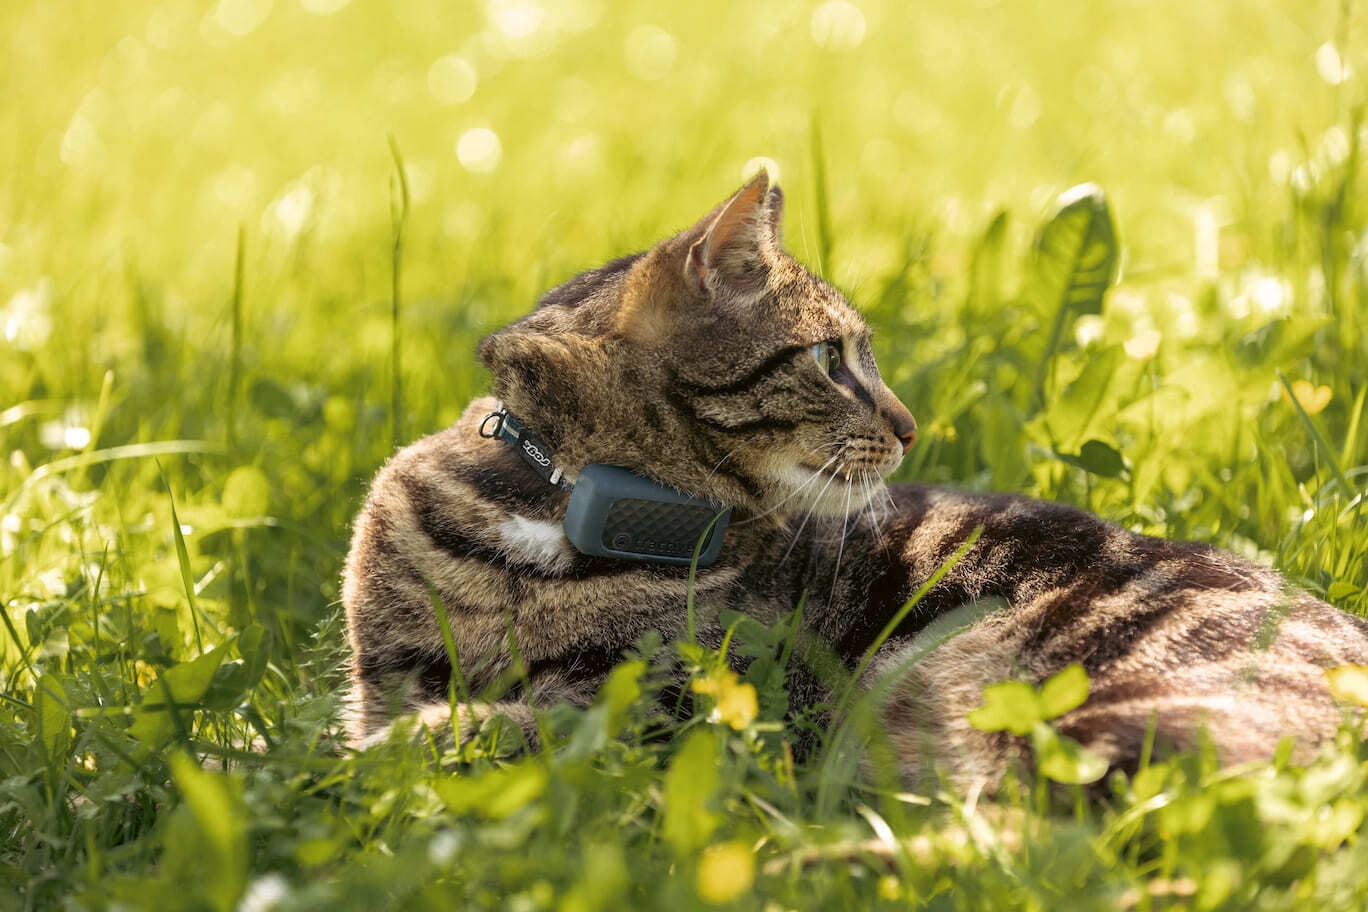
907	607
183	558
235	354
693	574
399	210
1321	443
457	685
112	454
819	182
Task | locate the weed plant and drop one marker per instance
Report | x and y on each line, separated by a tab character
248	247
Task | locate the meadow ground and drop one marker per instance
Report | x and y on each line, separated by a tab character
202	364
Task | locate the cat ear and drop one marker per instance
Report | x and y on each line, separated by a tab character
530	366
734	238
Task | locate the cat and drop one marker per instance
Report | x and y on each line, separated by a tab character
715	364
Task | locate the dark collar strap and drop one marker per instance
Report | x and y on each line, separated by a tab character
505	426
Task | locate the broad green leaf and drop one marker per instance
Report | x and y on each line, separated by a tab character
1102	459
607	716
1075	262
751	637
185	685
1073	413
1064	691
233	680
1097	457
1076	255
152	728
503	736
189	681
214	801
621	690
1190	814
1149	781
1282	754
496	794
52	716
520	787
228	686
689	784
1011	705
1064	759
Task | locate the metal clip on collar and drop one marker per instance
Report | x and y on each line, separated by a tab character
530	447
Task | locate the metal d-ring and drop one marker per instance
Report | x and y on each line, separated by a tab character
498	417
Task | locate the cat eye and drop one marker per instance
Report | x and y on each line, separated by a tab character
827	355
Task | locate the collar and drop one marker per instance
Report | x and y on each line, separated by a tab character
503	425
613	511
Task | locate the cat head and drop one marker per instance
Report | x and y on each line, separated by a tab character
714	363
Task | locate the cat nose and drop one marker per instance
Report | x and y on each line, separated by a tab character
904	425
907	433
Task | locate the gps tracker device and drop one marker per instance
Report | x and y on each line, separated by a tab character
615	512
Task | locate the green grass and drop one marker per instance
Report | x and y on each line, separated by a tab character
207	241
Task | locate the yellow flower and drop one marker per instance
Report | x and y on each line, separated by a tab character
1349	683
1312	399
735	701
725	871
143	673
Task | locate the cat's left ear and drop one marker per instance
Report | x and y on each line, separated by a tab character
733	240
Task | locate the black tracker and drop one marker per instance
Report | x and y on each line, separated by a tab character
614	512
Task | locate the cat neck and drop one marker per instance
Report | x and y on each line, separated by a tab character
529	525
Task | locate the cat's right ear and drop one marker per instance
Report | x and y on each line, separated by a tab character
732	241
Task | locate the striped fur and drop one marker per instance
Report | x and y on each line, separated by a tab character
692	363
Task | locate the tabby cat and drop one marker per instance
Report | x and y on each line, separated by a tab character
717	365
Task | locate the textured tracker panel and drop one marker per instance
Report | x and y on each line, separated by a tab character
652	527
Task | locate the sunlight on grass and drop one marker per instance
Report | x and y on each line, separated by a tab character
199	276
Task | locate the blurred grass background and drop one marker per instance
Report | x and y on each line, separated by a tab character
919	146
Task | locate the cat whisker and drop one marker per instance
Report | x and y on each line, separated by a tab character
797	535
873	508
796	491
713	472
885	497
840	551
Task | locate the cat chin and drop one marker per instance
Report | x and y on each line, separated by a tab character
805	489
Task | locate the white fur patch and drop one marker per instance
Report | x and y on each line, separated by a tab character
821	493
536	541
